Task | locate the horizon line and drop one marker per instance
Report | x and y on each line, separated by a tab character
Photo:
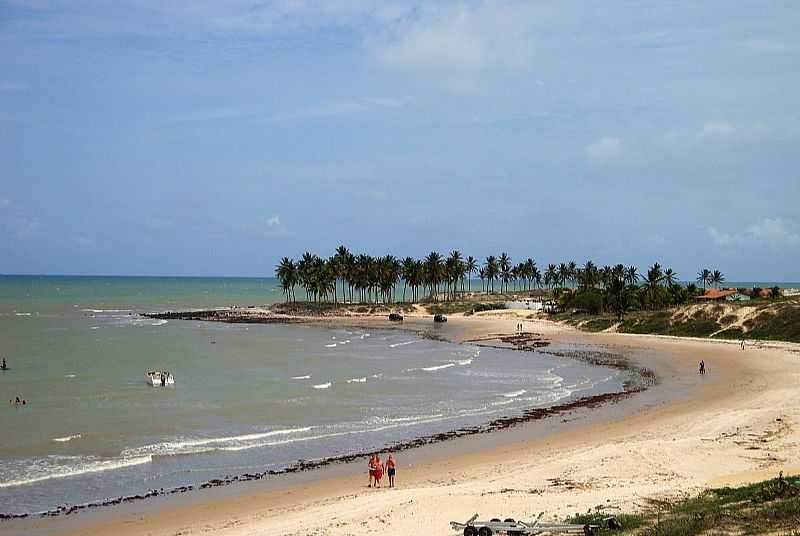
162	276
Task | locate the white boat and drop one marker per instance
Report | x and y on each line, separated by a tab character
160	378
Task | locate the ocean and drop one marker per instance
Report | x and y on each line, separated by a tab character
247	398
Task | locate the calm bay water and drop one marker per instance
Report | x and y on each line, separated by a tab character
247	397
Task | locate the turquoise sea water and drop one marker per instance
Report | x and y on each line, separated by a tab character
247	397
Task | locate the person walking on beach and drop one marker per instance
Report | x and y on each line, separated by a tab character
742	344
378	471
702	367
371	466
391	470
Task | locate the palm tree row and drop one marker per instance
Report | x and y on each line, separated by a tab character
374	278
364	278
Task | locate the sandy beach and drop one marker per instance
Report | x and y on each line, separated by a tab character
736	424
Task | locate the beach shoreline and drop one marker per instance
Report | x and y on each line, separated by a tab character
674	360
636	381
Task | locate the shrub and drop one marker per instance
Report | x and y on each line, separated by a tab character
590	300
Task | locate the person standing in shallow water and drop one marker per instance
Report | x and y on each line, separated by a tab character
702	367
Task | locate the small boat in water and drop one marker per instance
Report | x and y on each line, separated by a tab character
160	378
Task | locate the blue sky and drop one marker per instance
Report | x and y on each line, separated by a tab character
211	138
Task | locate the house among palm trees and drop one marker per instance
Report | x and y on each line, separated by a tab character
715	294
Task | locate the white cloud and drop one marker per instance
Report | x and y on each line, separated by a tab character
265	226
720	238
726	131
715	131
606	150
770	46
773	232
457	45
207	115
343	107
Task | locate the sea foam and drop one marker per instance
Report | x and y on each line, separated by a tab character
66	438
395	345
80	467
194	446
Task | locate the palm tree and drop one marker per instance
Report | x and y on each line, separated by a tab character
339	260
654	276
482	276
605	275
670	277
506	276
573	272
562	274
653	279
491	271
454	270
717	278
551	275
433	272
590	275
505	265
471	266
407	273
536	275
530	270
631	275
704	278
286	272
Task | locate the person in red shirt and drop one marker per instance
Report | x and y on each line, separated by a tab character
378	471
372	465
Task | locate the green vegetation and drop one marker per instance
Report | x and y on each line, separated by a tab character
596	324
663	323
754	320
591	297
764	508
467	307
617	290
781	323
363	278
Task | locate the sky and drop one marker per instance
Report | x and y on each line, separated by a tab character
212	138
